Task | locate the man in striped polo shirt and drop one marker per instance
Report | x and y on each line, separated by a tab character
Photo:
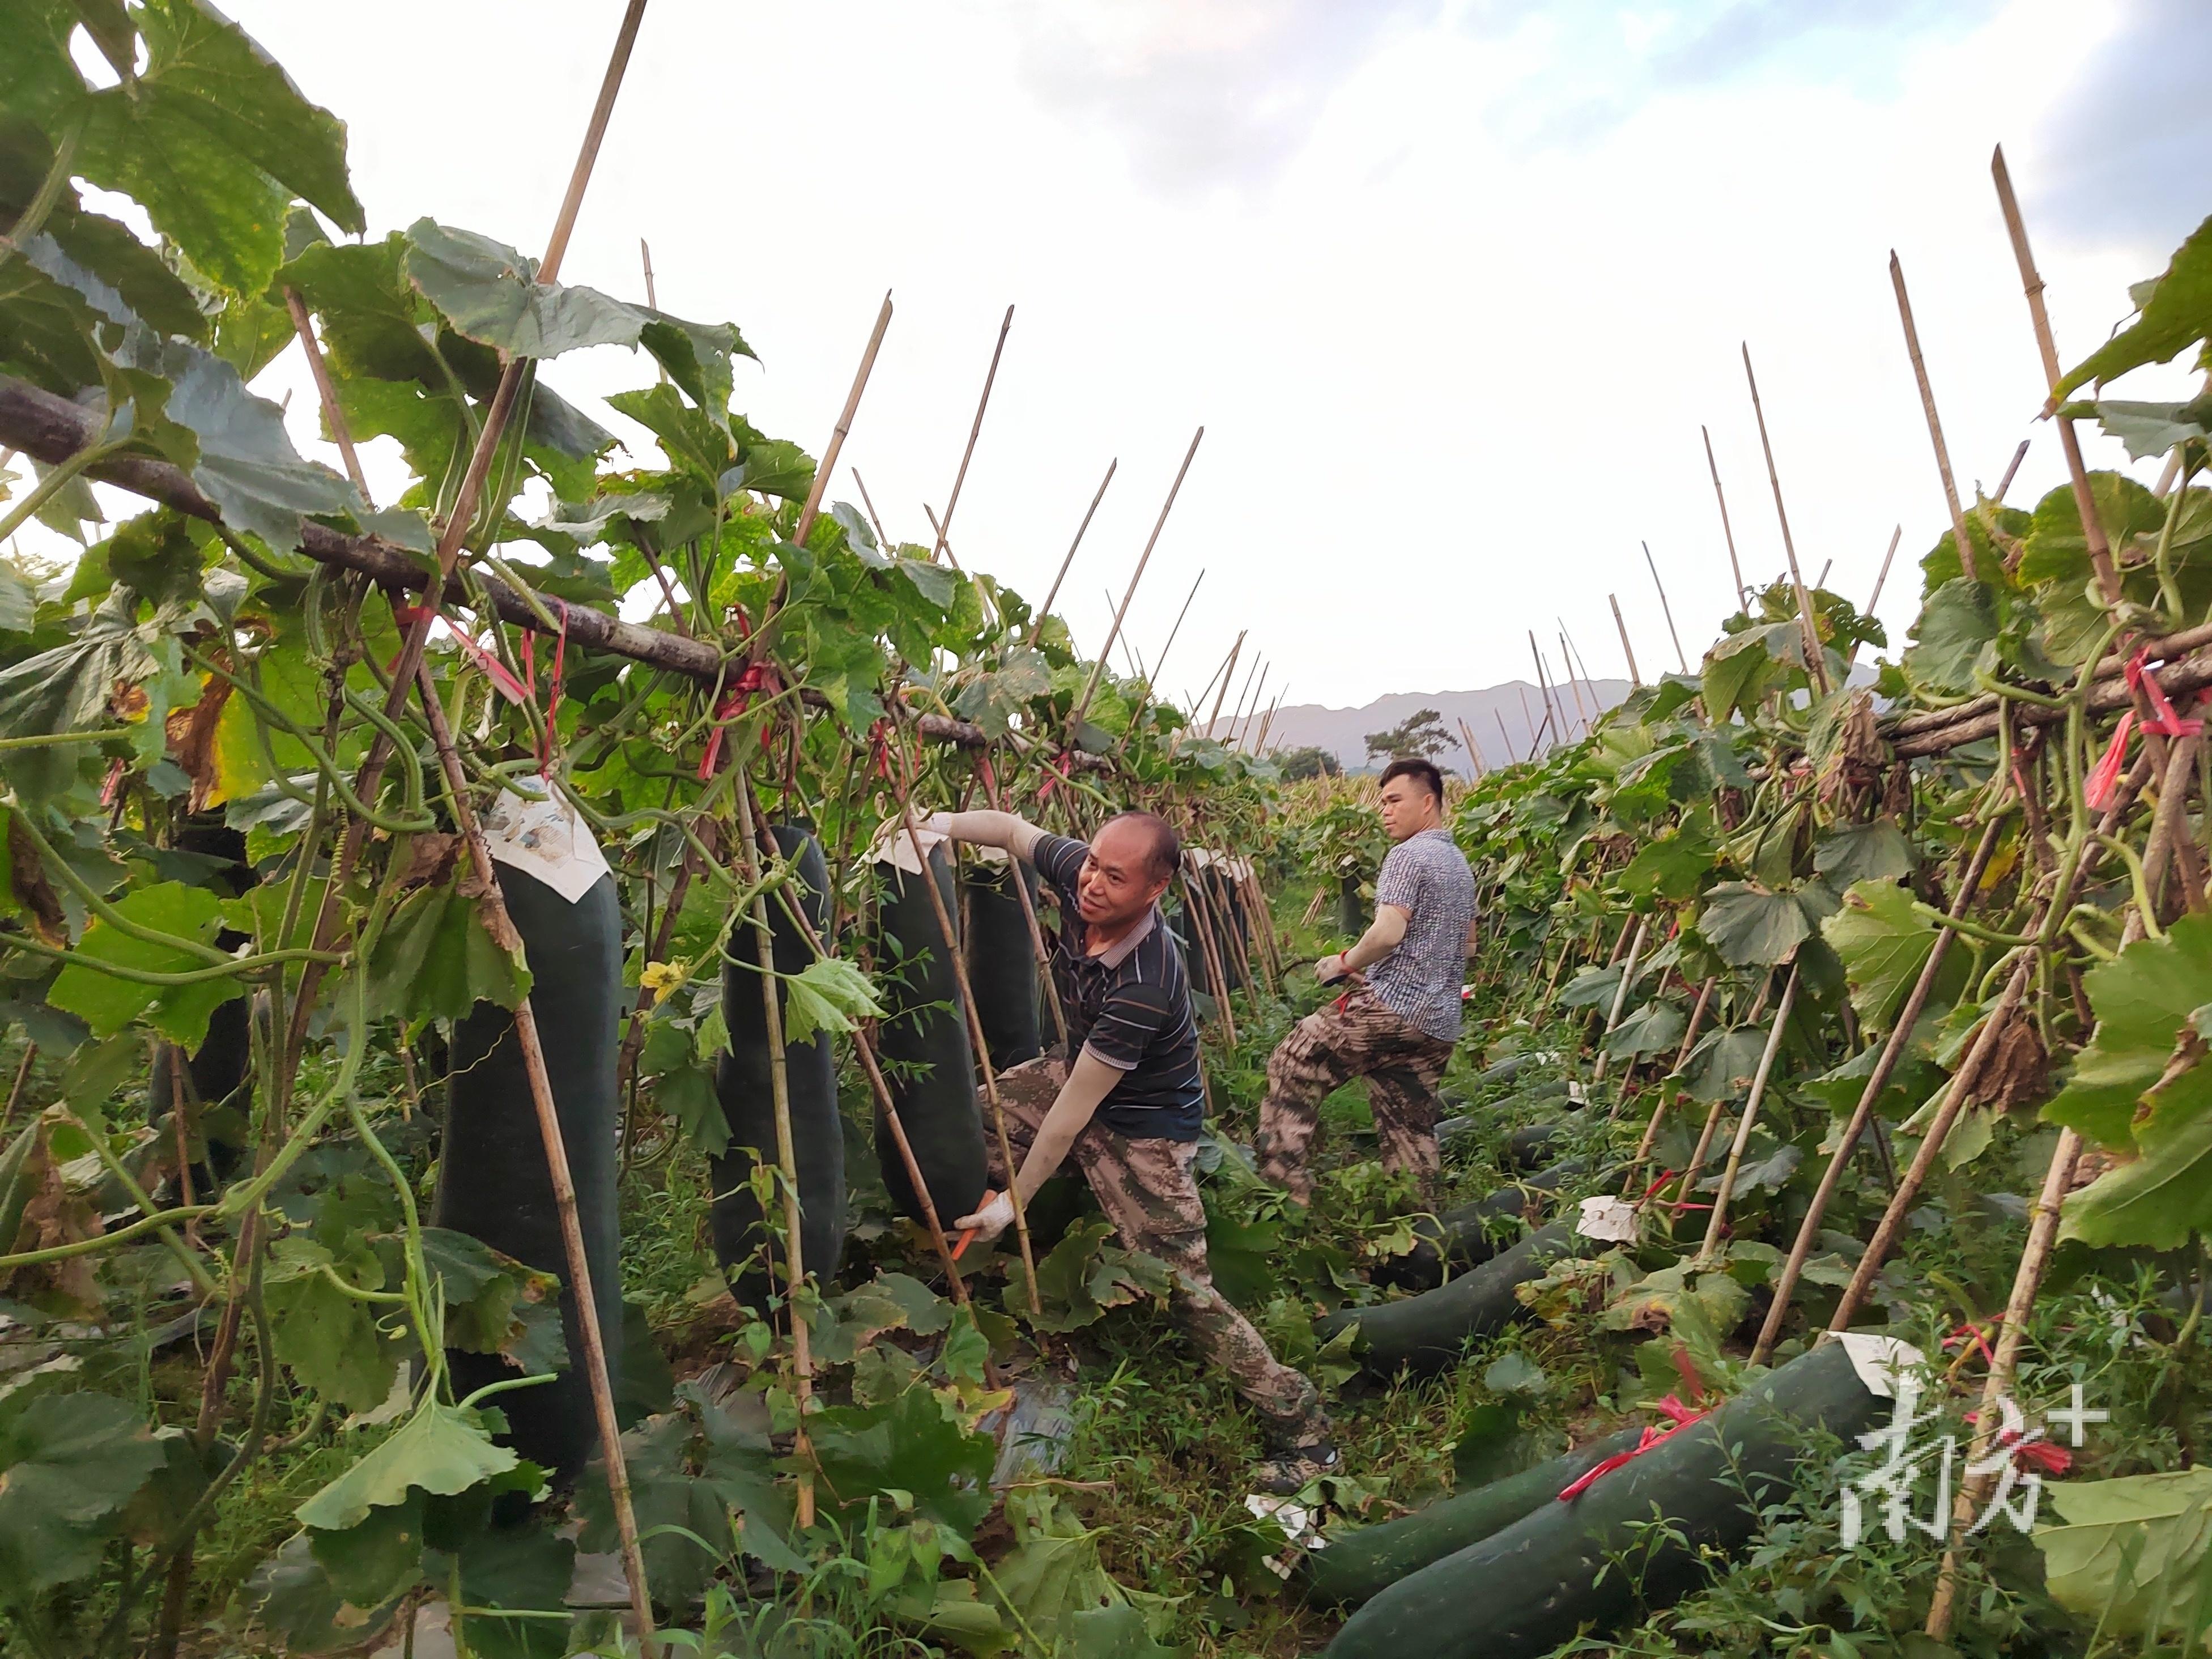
1130	1102
1396	1028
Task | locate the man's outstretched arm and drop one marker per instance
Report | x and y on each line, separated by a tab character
1015	834
1384	935
1090	1081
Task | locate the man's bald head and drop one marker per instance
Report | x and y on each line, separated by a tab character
1163	843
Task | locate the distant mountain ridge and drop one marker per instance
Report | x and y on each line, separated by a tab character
1517	706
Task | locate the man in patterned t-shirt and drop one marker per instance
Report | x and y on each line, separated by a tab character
1398	1028
1128	1103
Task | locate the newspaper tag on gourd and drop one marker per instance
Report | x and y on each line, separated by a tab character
1878	1360
895	847
1610	1220
544	836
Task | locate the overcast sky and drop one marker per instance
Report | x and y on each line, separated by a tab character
1451	286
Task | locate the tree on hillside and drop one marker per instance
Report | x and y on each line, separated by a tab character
1312	761
1421	733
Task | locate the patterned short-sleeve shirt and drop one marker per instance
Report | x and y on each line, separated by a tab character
1427	876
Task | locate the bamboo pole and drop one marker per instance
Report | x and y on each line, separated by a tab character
1620	995
1474	754
1259	745
1815	659
1528	724
1935	425
983	1052
1160	661
1237	714
787	1153
1650	1137
1961	1086
2004	484
1735	568
1504	736
1574	680
1666	609
827	467
1544	684
1228	670
1201	913
1029	914
1718	1220
1635	675
1578	666
1208	686
883	536
2093	527
1256	685
1099	667
1895	536
1053	593
975	431
1900	1036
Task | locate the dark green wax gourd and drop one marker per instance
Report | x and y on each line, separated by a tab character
1002	964
744	1085
1365	1563
1531	1585
218	1074
1351	911
493	1183
1429	1332
925	1048
1462	1236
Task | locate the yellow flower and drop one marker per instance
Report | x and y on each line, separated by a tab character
662	977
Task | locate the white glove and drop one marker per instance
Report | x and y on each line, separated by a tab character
993	1219
936	824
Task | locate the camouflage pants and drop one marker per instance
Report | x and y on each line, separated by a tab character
1355	1036
1147	1187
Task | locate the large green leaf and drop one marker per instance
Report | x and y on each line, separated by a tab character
2056	562
494	1304
331	1339
442	1450
69	1463
1957	622
213	140
1723	1063
67	690
490	293
2124	1552
2173	316
1655	1028
910	1443
2166	1194
1883	943
1750	925
1671	866
1851	852
528	1569
435	959
2142	1000
180	1012
234	444
694	1470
